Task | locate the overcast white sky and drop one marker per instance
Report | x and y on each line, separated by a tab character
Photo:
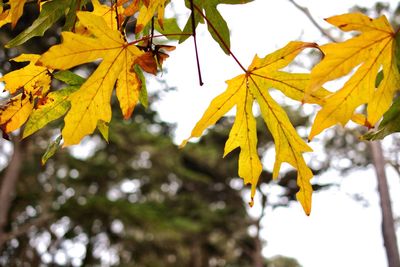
340	231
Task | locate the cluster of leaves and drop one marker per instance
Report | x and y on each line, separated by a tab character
104	33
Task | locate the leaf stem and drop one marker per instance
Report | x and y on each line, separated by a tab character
116	13
397	31
147	37
195	42
219	37
152	33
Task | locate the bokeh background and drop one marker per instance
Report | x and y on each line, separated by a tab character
138	200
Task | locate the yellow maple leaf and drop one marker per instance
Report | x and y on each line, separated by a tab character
109	14
15	113
128	87
242	90
27	84
372	50
31	77
16	10
5	17
147	11
91	102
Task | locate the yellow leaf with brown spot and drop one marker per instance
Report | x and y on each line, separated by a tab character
91	102
16	10
371	51
147	11
31	78
128	87
28	85
15	113
5	17
132	8
242	91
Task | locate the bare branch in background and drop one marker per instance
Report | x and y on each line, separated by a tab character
8	185
313	21
23	230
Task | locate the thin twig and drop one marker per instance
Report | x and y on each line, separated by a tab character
116	13
148	37
23	229
150	45
195	42
220	38
313	21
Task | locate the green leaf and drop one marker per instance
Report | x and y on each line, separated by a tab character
170	27
187	30
103	129
215	20
51	149
143	98
57	104
389	124
69	77
70	18
51	12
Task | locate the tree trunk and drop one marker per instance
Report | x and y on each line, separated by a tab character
388	229
8	184
196	256
258	258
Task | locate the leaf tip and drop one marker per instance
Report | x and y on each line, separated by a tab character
139	28
305	199
251	202
184	142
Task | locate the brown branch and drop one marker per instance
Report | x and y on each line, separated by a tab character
22	230
313	21
8	185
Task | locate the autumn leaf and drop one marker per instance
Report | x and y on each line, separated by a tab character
372	50
262	75
27	85
5	17
91	102
128	87
109	14
15	113
103	128
153	58
147	11
16	10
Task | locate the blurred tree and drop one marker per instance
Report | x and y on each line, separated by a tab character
280	261
136	201
345	151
